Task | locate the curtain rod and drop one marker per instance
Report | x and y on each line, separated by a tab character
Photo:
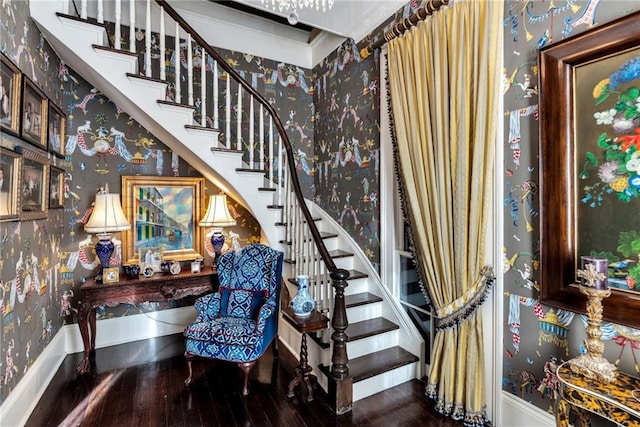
402	26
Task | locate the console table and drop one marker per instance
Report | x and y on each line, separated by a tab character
613	401
311	323
157	288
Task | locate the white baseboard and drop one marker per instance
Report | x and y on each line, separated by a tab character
17	408
519	413
137	327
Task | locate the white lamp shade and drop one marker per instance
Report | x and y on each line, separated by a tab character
217	214
107	215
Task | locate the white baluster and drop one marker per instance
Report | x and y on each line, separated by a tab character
282	180
176	54
132	26
216	113
163	47
251	134
227	128
261	139
272	172
117	42
203	89
147	39
100	17
239	120
189	71
83	9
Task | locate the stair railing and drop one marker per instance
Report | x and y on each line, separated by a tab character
261	137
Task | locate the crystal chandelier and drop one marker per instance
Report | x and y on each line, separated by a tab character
292	6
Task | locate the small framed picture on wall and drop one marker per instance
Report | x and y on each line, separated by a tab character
34	191
56	188
10	170
57	123
34	115
10	87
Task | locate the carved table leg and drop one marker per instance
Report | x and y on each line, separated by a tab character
562	412
86	319
303	372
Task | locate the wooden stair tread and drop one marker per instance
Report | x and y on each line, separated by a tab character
225	150
339	253
370	365
176	104
376	363
266	189
361	299
262	171
369	328
143	77
202	128
355	274
113	49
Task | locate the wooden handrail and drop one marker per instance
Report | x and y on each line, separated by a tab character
324	253
402	26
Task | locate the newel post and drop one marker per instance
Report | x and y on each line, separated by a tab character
340	382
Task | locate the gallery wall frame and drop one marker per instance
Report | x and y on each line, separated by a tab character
33	120
34	186
10	176
56	124
584	82
10	92
56	187
163	212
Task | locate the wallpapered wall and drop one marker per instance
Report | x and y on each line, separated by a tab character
537	338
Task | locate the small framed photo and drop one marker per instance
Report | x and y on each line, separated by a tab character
56	187
195	266
10	87
57	123
34	114
110	275
34	191
10	174
151	255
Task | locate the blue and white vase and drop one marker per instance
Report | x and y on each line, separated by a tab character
303	303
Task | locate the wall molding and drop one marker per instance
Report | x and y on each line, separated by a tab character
22	400
515	411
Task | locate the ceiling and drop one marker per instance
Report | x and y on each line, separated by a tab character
249	27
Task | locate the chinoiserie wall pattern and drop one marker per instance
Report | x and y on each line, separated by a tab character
537	337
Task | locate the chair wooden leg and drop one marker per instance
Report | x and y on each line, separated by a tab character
275	347
246	368
189	358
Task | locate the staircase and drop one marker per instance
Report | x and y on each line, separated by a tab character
254	164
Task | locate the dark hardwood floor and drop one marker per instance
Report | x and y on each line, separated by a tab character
141	384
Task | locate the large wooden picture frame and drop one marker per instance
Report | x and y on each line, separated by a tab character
33	122
163	212
589	186
10	87
10	175
34	192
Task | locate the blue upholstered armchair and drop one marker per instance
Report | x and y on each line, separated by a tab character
238	323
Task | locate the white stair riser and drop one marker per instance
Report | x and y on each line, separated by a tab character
357	286
370	386
364	312
371	344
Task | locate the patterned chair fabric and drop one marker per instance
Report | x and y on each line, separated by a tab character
238	322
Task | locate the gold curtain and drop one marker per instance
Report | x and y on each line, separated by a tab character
444	78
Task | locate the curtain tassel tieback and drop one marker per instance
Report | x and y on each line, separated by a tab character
462	308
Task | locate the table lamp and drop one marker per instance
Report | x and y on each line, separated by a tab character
107	217
217	216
